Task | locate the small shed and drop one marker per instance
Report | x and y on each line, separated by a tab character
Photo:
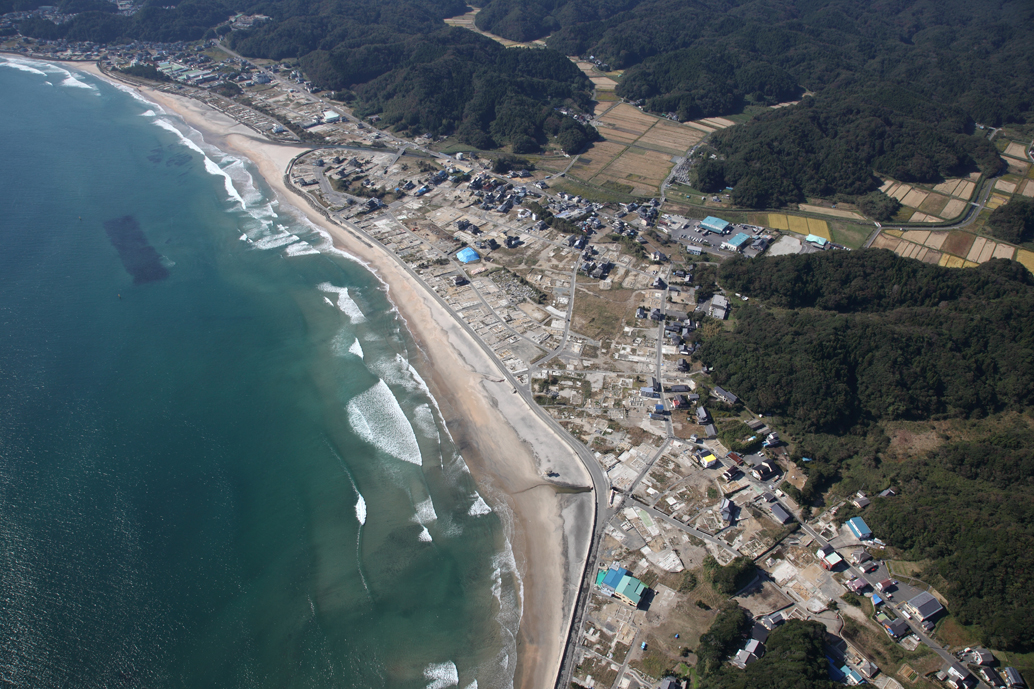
467	255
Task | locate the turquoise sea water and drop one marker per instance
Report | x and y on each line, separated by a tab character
217	466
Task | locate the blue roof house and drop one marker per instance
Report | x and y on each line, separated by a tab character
467	255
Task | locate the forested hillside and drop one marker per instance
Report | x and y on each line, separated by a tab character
897	85
395	57
845	345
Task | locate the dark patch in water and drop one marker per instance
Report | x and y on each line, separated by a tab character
156	155
138	257
178	160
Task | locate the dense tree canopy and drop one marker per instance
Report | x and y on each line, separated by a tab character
1013	222
870	336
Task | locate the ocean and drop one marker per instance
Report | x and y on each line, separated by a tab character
218	467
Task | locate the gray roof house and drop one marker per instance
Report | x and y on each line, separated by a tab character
924	606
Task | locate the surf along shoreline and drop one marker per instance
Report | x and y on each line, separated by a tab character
503	441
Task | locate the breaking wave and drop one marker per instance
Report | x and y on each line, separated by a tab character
345	303
442	675
377	418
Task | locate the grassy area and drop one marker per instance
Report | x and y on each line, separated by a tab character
606	96
954	634
880	647
592	192
849	234
600	315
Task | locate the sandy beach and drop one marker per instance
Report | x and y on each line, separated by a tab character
506	445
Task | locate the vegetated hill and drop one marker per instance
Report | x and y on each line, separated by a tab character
396	57
848	344
1013	222
902	81
794	659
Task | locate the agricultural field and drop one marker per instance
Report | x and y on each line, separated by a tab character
952	249
644	169
599	155
670	138
1016	150
835	212
795	223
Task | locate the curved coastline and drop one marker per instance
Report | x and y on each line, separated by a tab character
505	444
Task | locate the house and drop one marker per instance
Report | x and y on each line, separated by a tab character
860	501
868	669
708	461
719	307
630	590
925	606
764	471
958	676
724	395
725	510
861	555
982	656
857	585
743	658
830	560
859	528
851	676
619	583
670	683
884	585
737	242
702	415
714	225
1013	678
897	628
773	620
710	431
759	632
755	647
780	514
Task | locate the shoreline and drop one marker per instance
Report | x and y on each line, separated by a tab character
505	444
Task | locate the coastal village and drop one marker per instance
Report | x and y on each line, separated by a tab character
594	309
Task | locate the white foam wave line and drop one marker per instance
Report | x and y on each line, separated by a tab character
377	418
480	507
244	237
329	302
276	241
425	513
211	167
345	303
424	536
472	685
21	66
362	519
424	418
442	675
72	82
136	95
360	508
149	113
301	249
356	349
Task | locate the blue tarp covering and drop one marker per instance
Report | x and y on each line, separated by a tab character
467	255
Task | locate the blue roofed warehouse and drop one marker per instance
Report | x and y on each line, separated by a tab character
713	224
859	528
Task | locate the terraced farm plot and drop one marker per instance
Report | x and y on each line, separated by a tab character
778	221
923	217
604	83
1003	251
798	224
886	241
1016	150
702	127
995	201
949	261
835	212
965	189
613	133
599	156
819	228
936	239
934	204
958	243
601	108
953	209
917	236
914	198
900	191
671	137
980	251
1007	187
948	186
1028	188
639	167
717	122
628	118
1026	258
1017	167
